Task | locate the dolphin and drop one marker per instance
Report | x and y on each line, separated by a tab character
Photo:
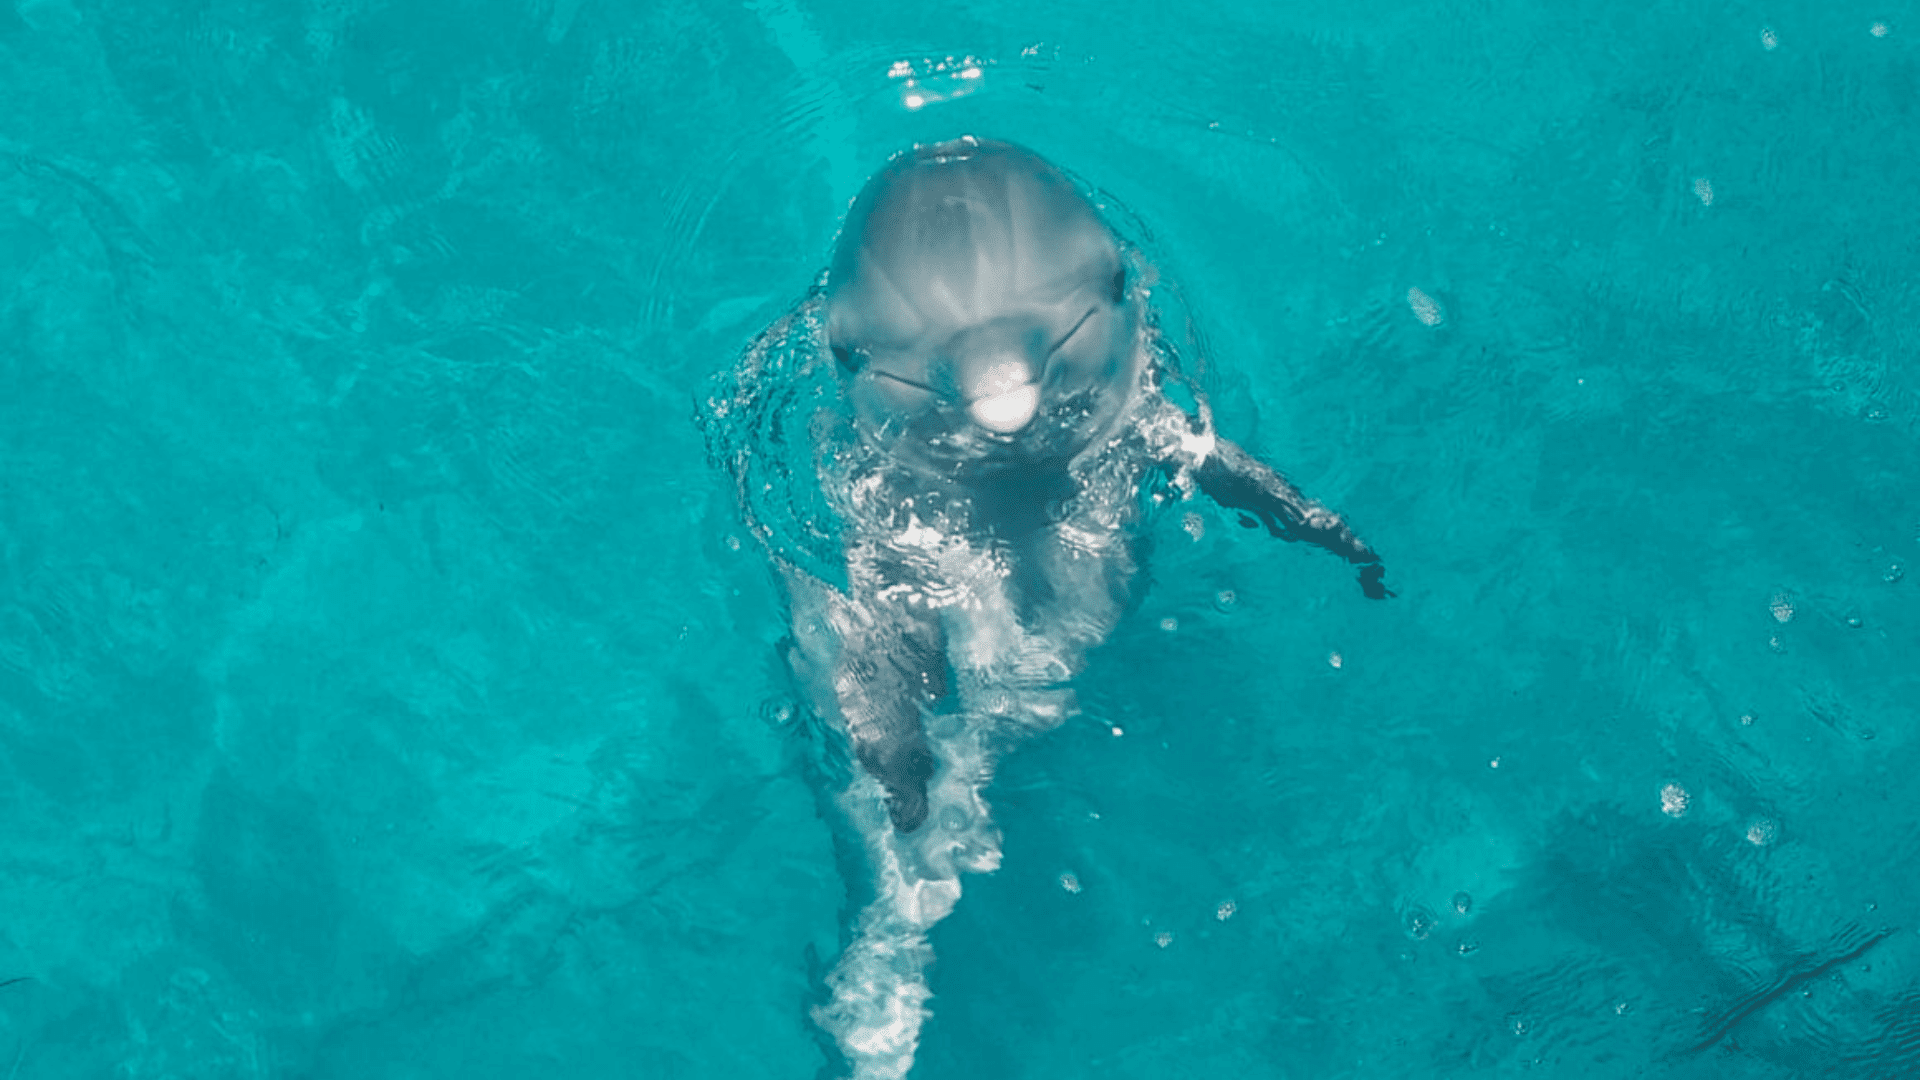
979	310
998	405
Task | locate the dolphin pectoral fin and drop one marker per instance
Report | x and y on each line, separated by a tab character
1239	481
890	666
903	769
892	748
1370	582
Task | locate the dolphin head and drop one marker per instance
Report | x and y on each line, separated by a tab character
979	312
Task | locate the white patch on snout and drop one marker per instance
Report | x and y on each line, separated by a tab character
1003	400
1006	413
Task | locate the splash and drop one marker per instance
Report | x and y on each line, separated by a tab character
766	420
930	81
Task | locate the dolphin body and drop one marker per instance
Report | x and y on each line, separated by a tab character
997	407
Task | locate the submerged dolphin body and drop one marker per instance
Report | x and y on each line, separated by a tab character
996	408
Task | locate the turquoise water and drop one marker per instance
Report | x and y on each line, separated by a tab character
389	689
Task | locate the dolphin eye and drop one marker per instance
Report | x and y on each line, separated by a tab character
1119	284
849	358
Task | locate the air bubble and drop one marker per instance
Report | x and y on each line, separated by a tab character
1462	903
1768	39
778	715
1418	922
1335	661
1163	939
1762	833
1169	624
1224	600
1782	608
1195	525
1225	910
1069	882
1426	308
1894	573
1674	800
953	819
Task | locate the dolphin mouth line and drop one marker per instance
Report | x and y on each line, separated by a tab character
1005	413
880	373
903	380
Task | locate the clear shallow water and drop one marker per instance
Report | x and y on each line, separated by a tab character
381	695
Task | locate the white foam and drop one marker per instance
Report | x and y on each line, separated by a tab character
1007	683
879	984
1009	680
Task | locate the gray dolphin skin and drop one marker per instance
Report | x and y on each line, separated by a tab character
989	417
979	309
